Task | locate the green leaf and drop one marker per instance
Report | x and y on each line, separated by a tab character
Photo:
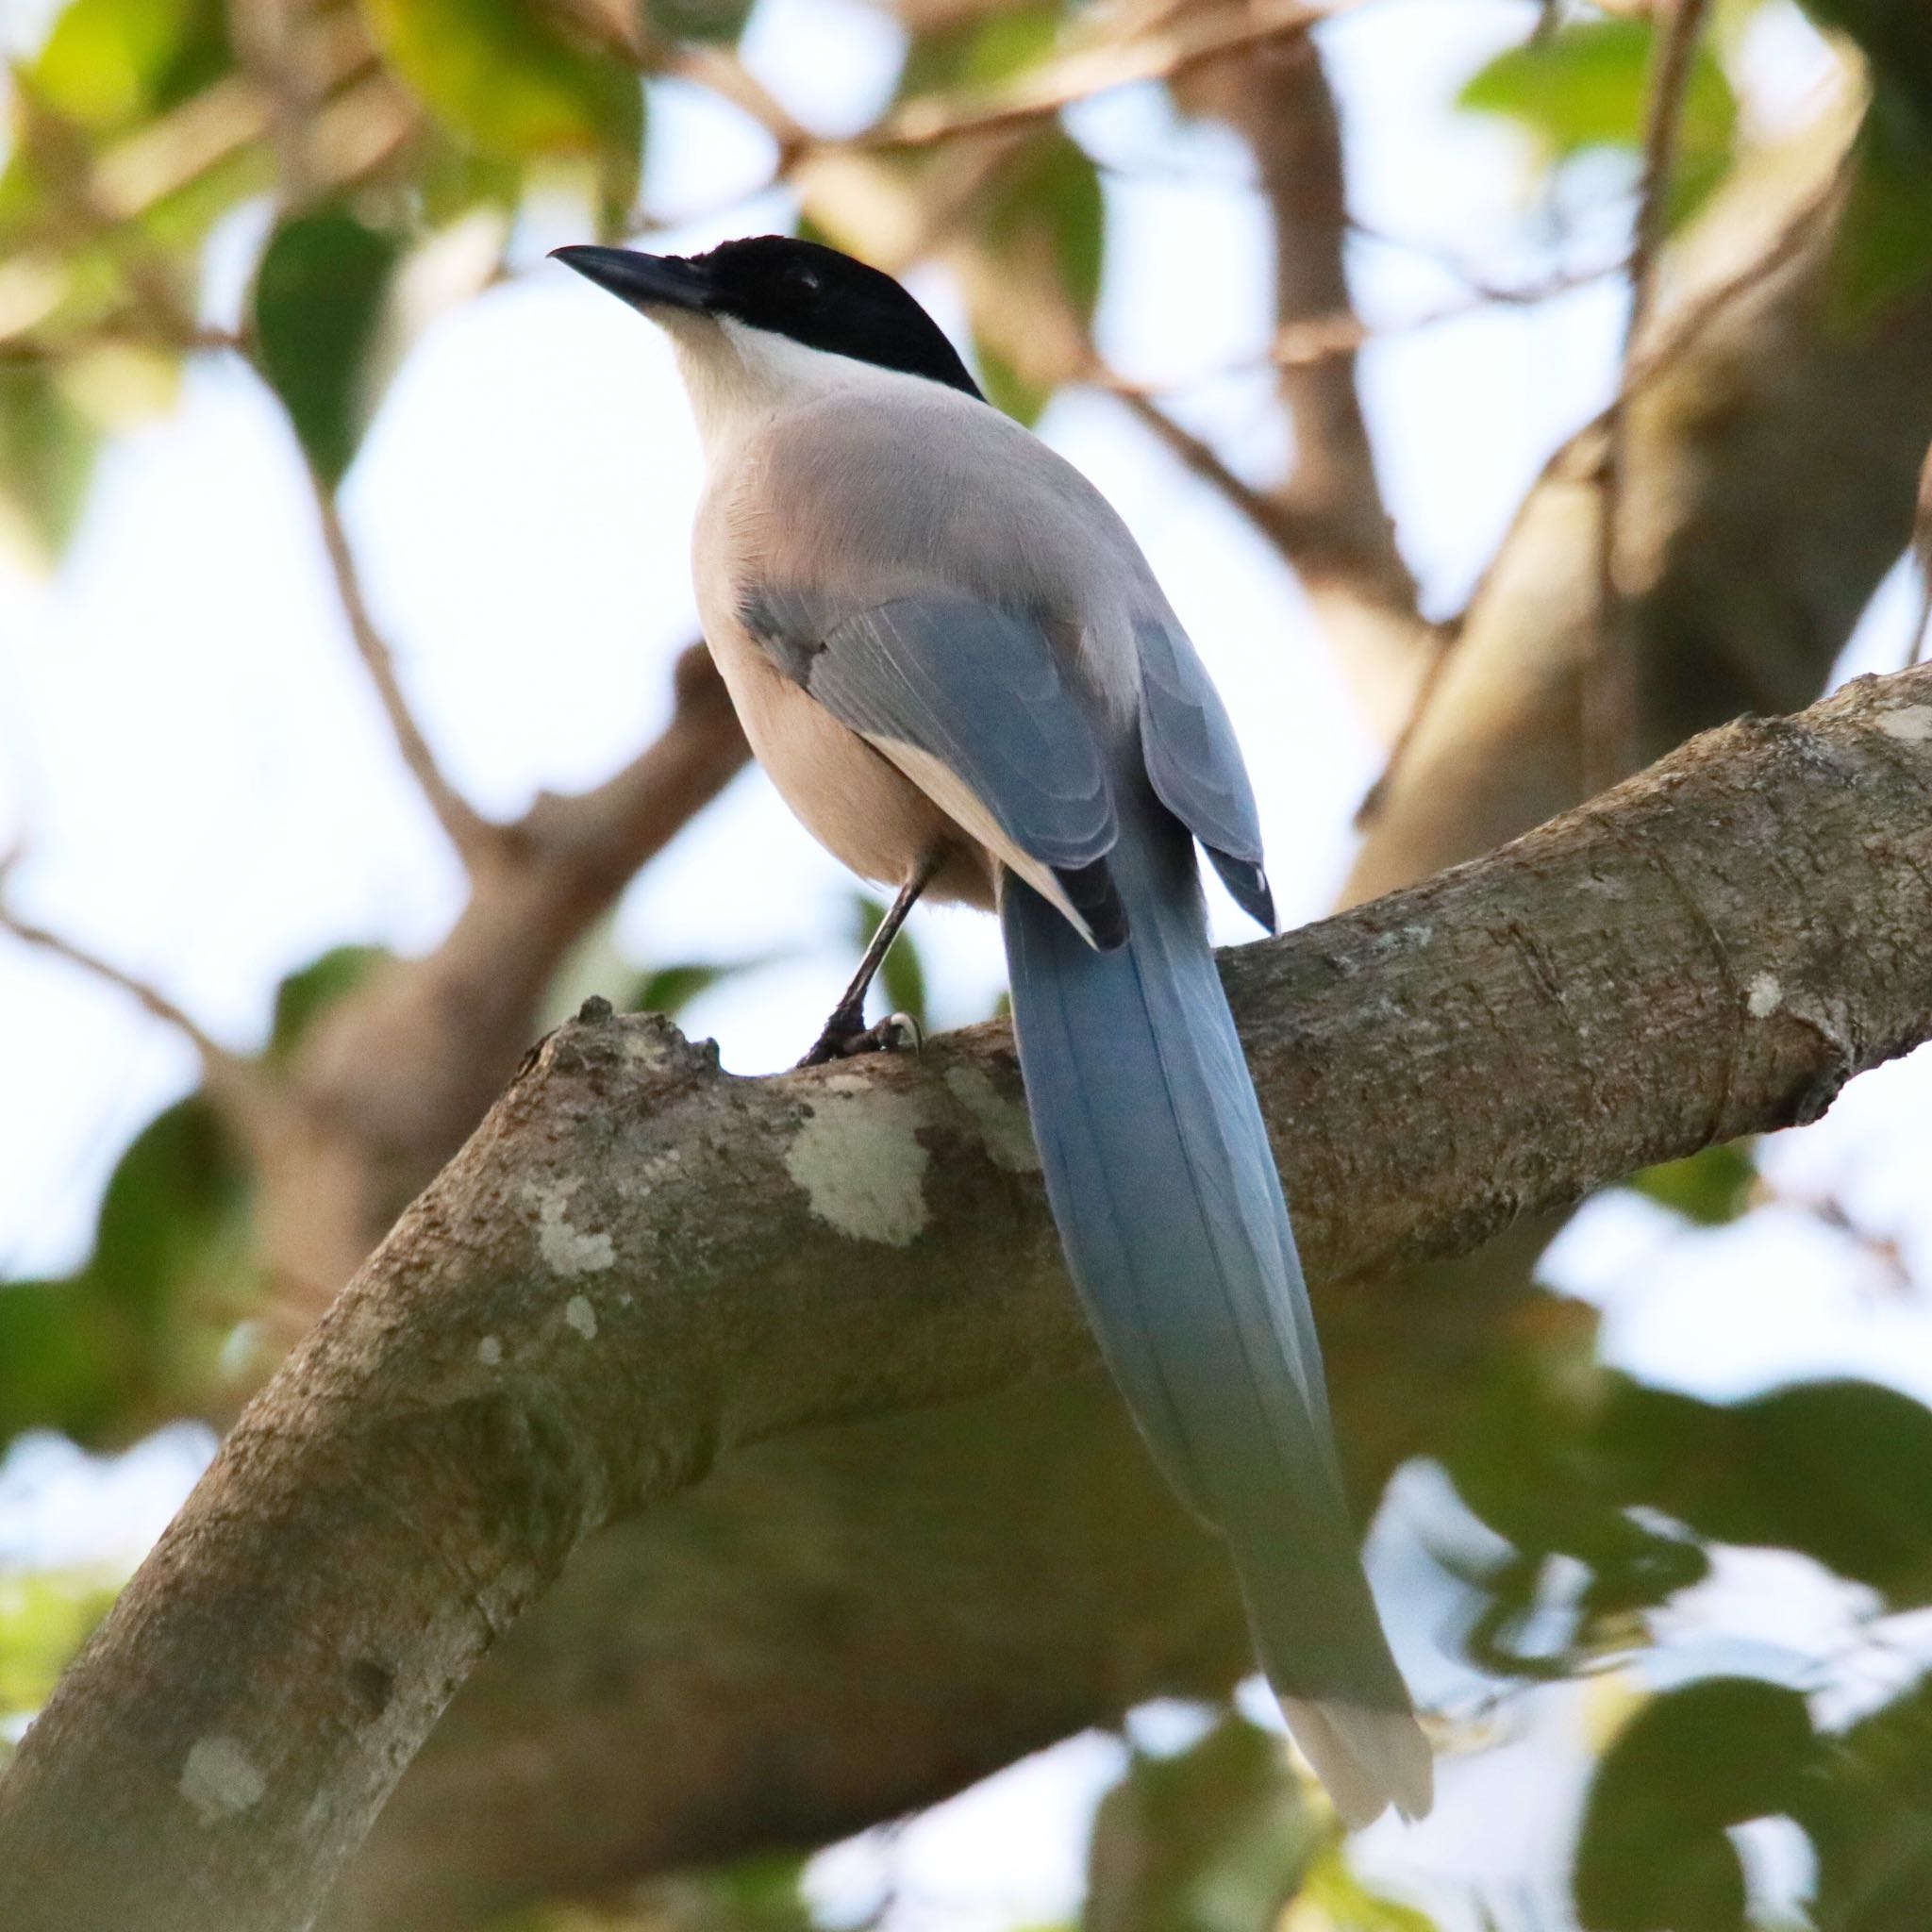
1040	214
44	1619
310	989
1005	388
503	76
1585	87
1883	248
175	1207
449	179
1524	1457
1712	1188
135	1336
760	1894
719	21
1047	197
109	63
668	990
1213	1839
902	977
1538	1454
1896	40
1338	1901
1044	217
319	299
1653	1855
1869	1818
972	55
59	1367
47	450
1838	1471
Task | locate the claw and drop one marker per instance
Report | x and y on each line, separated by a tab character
844	1039
900	1033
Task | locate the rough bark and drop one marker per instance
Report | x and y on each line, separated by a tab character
638	1264
840	1625
696	1681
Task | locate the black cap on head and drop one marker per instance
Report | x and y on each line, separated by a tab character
803	289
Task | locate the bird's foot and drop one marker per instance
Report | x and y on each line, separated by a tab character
847	1036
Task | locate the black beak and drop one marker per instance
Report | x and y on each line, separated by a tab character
644	281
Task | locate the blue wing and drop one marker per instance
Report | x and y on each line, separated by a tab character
977	687
1195	765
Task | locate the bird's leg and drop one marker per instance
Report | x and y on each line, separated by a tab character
845	1033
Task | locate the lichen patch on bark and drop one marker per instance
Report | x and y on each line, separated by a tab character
857	1157
1912	723
568	1251
219	1780
1004	1128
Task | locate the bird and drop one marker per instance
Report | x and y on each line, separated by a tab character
950	656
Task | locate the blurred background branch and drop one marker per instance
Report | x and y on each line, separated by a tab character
325	190
1609	719
466	829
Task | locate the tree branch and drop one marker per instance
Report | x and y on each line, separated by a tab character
1752	576
1327	517
150	999
1167	53
395	1076
466	827
232	1079
1269	514
610	831
650	1683
1608	687
638	1263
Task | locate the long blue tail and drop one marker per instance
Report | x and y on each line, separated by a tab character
1169	1207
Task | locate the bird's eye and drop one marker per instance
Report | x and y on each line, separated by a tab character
806	280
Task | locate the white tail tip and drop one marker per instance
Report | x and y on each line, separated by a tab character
1369	1759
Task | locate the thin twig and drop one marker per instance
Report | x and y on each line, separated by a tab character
1830	1211
468	831
1273	518
1608	697
1343	333
1325	338
1284	109
1690	322
1147	55
215	1057
1091	70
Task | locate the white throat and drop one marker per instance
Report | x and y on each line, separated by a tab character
739	377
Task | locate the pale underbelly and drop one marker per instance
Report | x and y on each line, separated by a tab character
861	808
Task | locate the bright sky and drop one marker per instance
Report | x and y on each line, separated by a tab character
209	795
